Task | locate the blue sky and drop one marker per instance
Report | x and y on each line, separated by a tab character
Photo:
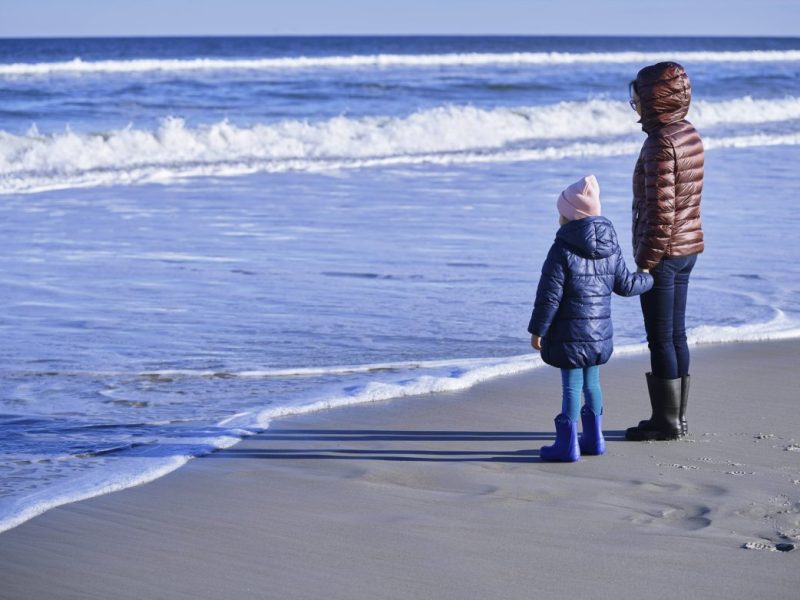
25	18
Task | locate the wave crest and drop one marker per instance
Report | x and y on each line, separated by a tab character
442	135
143	65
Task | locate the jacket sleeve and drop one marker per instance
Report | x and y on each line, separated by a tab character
658	160
549	293
627	283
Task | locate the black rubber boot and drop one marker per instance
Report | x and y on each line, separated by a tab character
665	400
685	381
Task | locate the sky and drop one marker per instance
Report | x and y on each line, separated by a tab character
78	18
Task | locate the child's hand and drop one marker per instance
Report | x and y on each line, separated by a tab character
536	342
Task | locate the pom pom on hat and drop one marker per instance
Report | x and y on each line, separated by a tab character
581	199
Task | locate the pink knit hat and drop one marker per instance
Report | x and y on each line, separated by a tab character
581	199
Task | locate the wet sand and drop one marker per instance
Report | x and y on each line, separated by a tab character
444	496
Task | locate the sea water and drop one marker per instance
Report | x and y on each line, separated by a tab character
200	235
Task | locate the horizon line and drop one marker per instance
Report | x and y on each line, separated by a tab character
394	35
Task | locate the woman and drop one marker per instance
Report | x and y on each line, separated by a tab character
667	237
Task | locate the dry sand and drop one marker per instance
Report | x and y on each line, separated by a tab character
444	496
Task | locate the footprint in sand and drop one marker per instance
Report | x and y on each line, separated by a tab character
681	512
790	535
770	511
780	514
769	546
680	489
687	518
708	459
677	466
739	473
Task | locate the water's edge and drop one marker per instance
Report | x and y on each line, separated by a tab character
777	330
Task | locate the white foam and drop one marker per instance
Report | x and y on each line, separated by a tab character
454	375
450	379
85	488
460	374
375	368
744	110
125	473
443	135
781	327
371	368
750	141
164	175
384	61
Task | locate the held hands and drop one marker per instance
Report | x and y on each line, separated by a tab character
536	342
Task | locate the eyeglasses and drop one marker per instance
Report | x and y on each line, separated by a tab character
631	92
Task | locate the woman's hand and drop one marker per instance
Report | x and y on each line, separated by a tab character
536	342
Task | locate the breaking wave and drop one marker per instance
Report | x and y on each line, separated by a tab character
443	135
79	66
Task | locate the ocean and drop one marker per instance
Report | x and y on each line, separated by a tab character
200	235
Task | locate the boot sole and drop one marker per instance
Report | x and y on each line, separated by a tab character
640	435
565	460
587	451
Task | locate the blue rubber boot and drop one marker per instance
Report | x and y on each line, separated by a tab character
591	440
566	447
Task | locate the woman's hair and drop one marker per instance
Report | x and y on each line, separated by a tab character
632	87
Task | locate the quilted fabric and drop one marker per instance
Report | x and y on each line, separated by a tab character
572	311
668	177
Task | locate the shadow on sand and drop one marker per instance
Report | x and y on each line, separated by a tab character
305	444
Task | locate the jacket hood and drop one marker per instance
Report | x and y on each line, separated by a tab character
664	94
591	237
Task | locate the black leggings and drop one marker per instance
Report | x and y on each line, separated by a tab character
664	310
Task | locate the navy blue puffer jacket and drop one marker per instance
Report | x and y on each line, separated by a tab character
572	312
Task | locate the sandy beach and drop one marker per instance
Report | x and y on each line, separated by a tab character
444	496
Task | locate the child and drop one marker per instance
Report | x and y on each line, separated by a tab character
571	320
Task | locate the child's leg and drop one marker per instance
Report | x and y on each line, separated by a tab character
571	386
591	389
592	441
566	447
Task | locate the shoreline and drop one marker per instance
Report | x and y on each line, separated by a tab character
444	496
482	370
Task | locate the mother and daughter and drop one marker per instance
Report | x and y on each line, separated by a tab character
571	320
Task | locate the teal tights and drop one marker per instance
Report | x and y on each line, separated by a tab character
575	381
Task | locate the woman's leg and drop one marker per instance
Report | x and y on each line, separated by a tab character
658	306
664	309
571	386
679	316
591	389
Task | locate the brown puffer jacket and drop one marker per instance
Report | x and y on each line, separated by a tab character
668	178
